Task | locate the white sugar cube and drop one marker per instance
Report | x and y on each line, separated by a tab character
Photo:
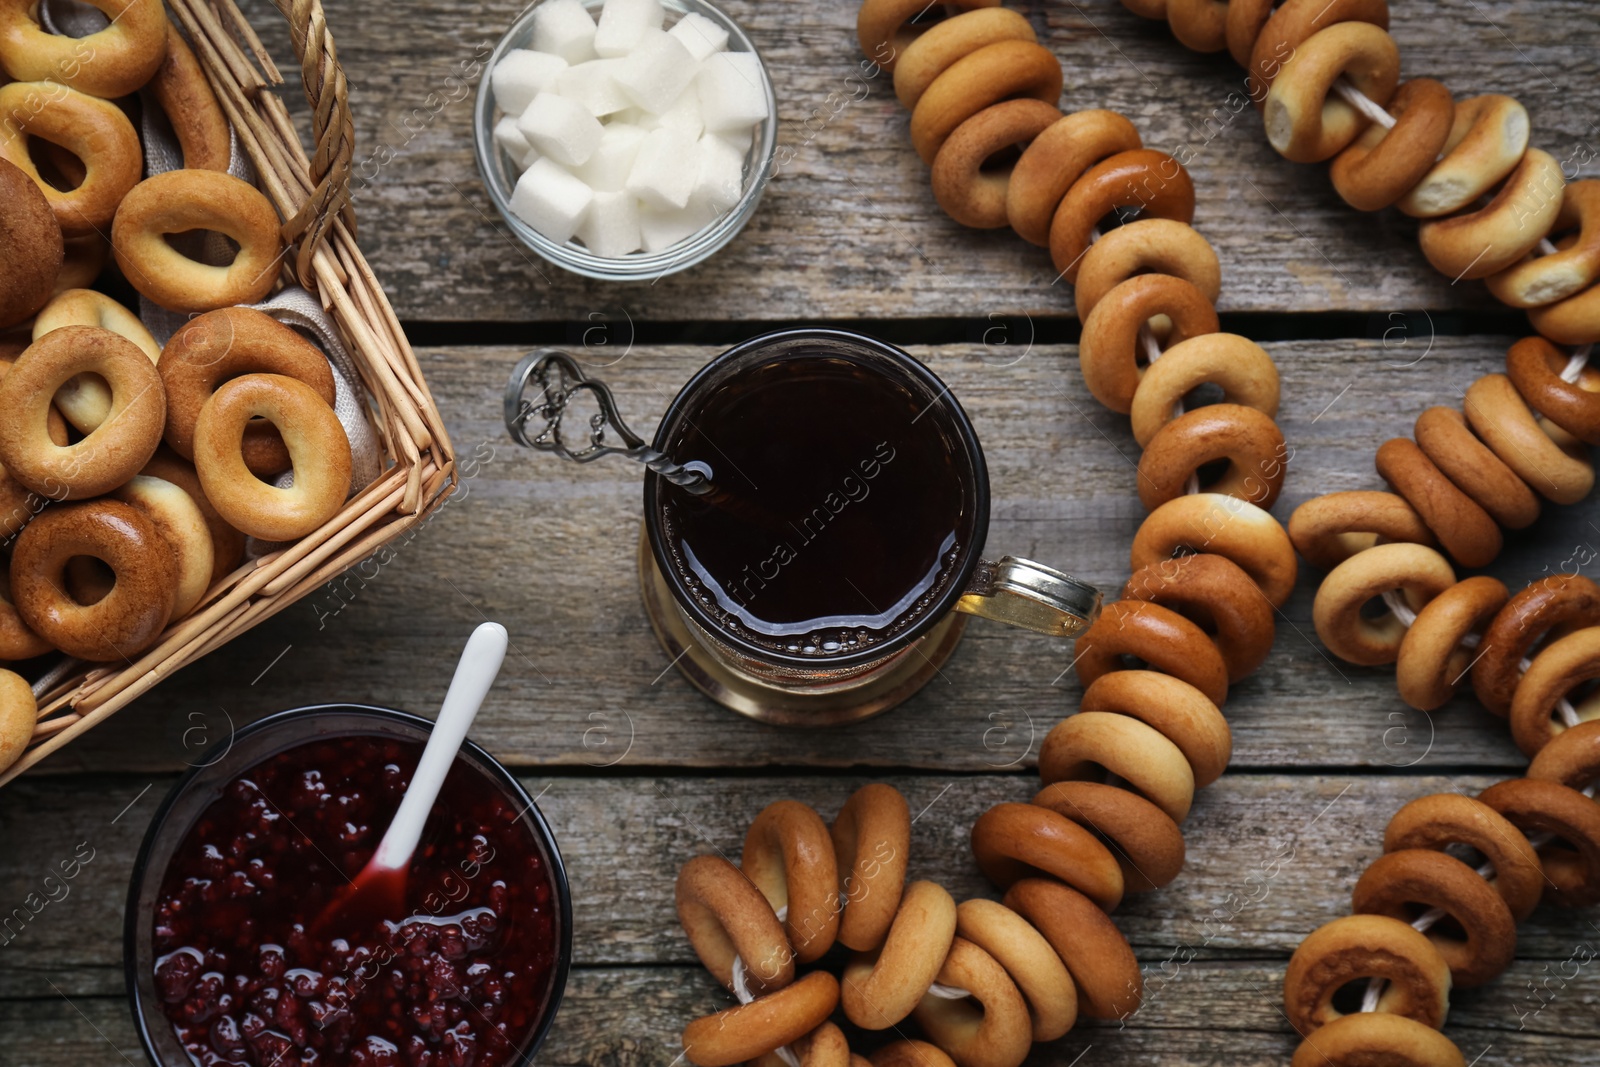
665	170
560	128
623	22
657	71
611	228
732	91
510	139
551	200
700	35
660	230
741	137
529	158
564	28
683	116
594	85
522	75
607	170
721	176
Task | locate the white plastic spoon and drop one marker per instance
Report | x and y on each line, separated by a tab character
378	892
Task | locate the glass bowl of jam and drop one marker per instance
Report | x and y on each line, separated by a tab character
228	964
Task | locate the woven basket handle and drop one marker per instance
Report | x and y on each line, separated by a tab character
332	127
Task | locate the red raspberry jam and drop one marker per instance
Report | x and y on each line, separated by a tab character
461	981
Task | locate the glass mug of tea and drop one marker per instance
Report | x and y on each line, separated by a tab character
814	521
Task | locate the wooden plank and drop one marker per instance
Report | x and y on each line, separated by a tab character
849	228
548	548
1271	857
1214	1013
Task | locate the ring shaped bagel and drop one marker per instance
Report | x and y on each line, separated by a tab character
1432	659
747	1031
110	63
1383	165
1239	366
1306	124
1227	526
1444	819
1290	26
1366	946
1028	959
871	847
1201	25
94	130
131	616
1559	668
789	856
1331	528
1561	473
826	1046
978	80
1419	573
85	399
222	345
18	503
1444	438
1110	984
1465	530
881	987
1534	366
1175	709
1109	352
1161	637
1573	321
1016	841
317	445
1091	744
181	91
989	1028
19	714
110	455
725	915
1053	163
1557	605
1572	757
969	192
1572	861
1152	182
1244	22
227	544
1248	440
16	640
1215	593
1149	845
941	44
1497	235
178	519
183	200
1372	1037
1397	881
1488	137
34	246
1146	246
884	28
1545	279
909	1052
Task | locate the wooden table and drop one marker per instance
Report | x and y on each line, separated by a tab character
636	771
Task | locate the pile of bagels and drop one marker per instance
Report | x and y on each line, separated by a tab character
133	472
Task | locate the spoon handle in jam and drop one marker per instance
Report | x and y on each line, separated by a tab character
480	663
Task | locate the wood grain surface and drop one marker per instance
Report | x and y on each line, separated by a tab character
849	228
635	770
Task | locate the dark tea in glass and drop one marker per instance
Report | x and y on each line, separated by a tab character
850	502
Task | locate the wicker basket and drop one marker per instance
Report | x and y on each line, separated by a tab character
314	196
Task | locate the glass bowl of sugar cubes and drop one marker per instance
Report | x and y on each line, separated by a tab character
625	139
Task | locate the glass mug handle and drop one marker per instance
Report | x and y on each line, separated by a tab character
1029	595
